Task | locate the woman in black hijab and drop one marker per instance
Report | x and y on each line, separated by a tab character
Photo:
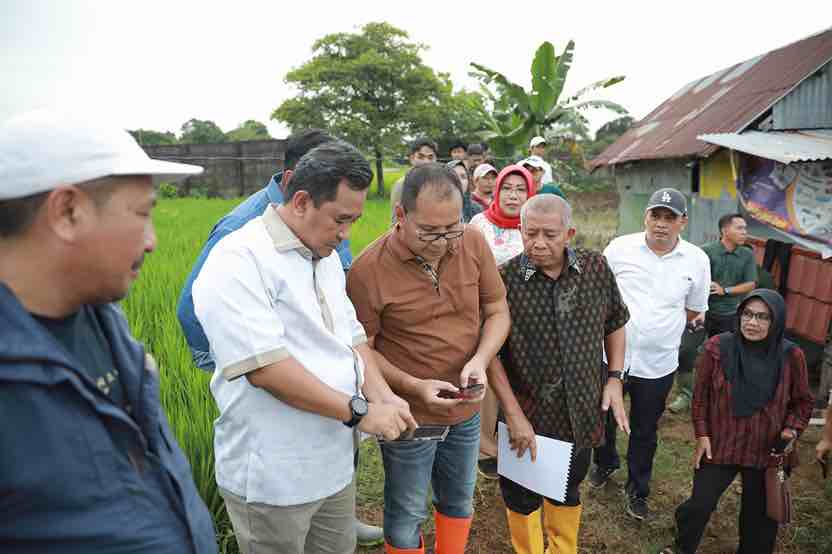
752	392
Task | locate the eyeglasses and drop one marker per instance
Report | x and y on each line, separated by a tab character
762	317
432	237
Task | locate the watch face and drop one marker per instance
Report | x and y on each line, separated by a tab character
359	406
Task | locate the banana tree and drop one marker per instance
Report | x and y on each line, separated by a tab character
519	114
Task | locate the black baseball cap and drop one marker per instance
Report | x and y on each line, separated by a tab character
668	198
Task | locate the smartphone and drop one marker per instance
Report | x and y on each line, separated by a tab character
422	433
470	391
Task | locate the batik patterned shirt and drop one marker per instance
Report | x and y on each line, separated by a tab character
554	353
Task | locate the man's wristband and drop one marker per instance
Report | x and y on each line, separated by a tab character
619	374
727	291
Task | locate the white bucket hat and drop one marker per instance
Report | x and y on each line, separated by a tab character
44	149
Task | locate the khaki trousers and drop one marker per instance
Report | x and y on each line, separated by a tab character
325	526
488	424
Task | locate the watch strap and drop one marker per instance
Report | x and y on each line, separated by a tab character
356	418
619	374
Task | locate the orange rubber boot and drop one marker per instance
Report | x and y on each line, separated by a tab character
451	534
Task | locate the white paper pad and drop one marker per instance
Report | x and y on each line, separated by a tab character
547	475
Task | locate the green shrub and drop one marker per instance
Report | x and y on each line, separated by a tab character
167	190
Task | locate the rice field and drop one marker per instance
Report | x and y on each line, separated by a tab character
182	226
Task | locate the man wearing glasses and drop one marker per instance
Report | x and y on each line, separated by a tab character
433	305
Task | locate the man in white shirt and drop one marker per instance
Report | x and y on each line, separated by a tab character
665	282
294	376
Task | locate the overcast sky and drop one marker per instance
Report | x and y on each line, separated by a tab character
155	64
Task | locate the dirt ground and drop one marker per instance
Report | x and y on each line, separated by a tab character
606	529
604	526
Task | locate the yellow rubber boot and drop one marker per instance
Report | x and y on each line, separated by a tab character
451	533
526	532
562	524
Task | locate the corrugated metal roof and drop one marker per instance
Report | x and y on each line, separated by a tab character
782	146
809	106
724	102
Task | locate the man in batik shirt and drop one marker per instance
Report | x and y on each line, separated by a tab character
550	377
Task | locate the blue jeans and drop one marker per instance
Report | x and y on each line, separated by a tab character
449	467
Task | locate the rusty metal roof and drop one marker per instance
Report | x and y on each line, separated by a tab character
783	146
724	102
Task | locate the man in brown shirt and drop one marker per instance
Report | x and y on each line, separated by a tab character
550	377
433	305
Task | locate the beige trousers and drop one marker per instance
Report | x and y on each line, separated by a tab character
488	424
325	526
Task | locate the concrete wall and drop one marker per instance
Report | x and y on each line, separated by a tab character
231	169
638	180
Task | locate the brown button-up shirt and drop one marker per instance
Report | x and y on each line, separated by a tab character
553	355
426	323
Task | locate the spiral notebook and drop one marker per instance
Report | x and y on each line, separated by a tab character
547	475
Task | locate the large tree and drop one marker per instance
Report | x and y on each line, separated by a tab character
250	130
199	131
369	87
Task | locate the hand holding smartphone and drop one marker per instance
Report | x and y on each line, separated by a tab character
471	391
422	433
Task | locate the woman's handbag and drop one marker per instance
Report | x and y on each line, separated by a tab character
778	492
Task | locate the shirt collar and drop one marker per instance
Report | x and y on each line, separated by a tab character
405	254
282	236
529	269
724	251
677	250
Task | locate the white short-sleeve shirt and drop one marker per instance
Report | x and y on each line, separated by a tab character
657	291
261	298
504	243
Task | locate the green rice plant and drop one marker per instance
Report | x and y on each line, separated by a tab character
391	175
182	226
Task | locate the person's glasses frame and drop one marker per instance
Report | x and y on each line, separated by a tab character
762	317
433	237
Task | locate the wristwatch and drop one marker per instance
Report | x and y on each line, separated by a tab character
359	408
619	374
727	291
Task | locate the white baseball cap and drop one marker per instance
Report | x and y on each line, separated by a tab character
534	161
537	140
44	149
484	169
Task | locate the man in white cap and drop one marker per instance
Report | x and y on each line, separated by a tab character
537	147
537	167
88	462
485	179
665	282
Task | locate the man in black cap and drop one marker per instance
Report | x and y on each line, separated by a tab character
665	282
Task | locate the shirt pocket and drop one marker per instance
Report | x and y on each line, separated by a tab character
464	296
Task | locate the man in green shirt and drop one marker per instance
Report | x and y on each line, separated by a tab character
733	274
